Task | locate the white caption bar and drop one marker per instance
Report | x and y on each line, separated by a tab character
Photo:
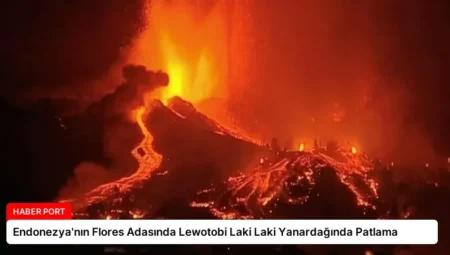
222	232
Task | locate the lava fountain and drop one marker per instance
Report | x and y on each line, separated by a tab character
203	47
188	40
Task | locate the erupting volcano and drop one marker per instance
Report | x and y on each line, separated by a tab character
192	164
230	109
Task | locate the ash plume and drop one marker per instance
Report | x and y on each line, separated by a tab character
86	176
138	80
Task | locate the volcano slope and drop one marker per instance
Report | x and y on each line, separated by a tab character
208	171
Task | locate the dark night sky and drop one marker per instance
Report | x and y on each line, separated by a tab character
62	43
50	43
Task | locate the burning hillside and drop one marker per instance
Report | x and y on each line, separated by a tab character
290	179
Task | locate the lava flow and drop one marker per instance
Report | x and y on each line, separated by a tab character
289	178
148	160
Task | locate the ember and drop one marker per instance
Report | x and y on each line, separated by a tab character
301	147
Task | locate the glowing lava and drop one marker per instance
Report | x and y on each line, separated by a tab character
148	159
289	180
188	40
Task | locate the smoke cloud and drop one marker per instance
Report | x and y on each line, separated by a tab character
334	71
86	176
138	81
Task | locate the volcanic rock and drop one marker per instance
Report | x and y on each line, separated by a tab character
190	140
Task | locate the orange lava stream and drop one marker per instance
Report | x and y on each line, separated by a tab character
148	162
270	181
